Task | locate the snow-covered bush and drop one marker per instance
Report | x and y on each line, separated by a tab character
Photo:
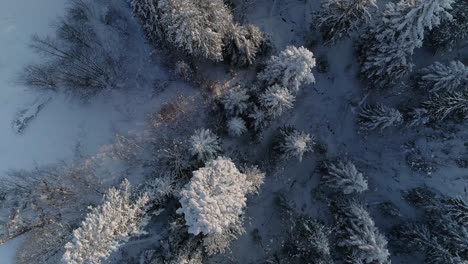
236	126
183	70
443	77
243	44
235	100
385	50
276	100
204	145
344	177
451	31
359	236
291	69
338	18
447	104
196	26
293	143
378	116
215	197
107	226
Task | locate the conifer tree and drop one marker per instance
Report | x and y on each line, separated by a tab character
378	116
443	77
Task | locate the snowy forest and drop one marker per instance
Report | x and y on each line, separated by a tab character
235	132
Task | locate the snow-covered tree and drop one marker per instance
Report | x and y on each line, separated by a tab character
344	177
443	77
243	44
235	100
360	236
378	116
338	18
291	69
457	209
293	143
183	70
107	226
385	50
258	117
448	104
174	160
236	126
276	100
204	145
451	31
255	176
215	197
196	26
146	11
159	188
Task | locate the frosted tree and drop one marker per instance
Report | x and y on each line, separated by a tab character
235	100
276	100
451	31
159	188
338	18
360	236
445	105
196	26
243	44
385	50
291	68
293	143
107	226
173	160
443	77
259	118
236	126
146	11
378	116
183	70
255	176
344	177
204	145
215	197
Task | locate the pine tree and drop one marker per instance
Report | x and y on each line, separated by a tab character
445	105
451	31
385	50
146	11
344	177
236	126
360	236
378	116
184	71
204	145
293	143
291	69
338	18
107	226
196	26
215	197
443	77
276	100
258	118
235	101
243	44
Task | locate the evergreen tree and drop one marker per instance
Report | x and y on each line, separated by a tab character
344	177
243	44
360	237
146	11
443	77
196	26
385	50
276	100
378	116
293	143
337	18
445	105
235	100
236	126
204	145
451	31
107	226
291	69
